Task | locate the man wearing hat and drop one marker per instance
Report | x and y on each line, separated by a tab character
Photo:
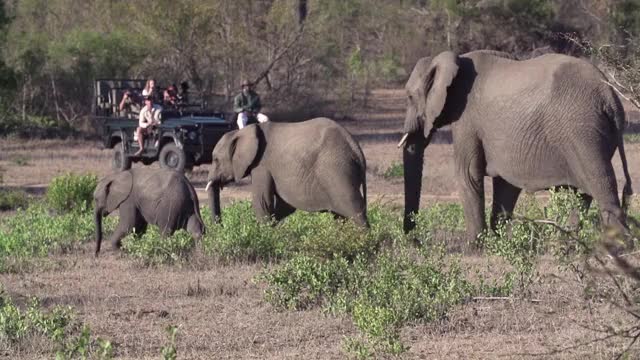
247	106
149	117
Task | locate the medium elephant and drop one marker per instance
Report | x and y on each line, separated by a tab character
161	197
533	124
314	165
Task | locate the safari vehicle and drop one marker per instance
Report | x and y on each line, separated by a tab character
184	139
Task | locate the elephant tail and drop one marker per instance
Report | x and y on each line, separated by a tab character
618	117
364	189
627	191
196	203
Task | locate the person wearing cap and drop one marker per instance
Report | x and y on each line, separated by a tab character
247	106
149	117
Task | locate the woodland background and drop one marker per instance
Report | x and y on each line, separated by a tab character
304	53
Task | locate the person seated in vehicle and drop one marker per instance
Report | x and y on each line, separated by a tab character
149	119
183	95
247	106
150	89
130	104
170	97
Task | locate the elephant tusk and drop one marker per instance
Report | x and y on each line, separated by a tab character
403	140
208	185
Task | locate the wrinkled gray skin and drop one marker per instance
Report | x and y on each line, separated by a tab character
533	124
314	165
161	197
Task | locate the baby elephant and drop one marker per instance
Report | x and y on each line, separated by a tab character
144	196
314	165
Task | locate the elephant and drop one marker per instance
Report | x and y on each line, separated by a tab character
530	124
161	197
312	165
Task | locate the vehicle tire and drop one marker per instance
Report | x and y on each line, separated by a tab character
120	161
172	157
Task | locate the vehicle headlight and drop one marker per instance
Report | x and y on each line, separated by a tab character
192	135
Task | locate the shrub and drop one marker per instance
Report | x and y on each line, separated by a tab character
35	233
58	325
71	192
154	249
322	236
395	170
13	199
241	237
381	295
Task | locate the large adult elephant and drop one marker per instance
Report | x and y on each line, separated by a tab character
533	124
313	165
161	197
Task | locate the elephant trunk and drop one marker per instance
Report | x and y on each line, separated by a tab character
413	162
213	191
98	221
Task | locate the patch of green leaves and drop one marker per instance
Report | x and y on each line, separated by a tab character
395	170
13	199
20	160
381	295
154	249
169	351
35	232
71	192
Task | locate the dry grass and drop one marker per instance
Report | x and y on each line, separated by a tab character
220	311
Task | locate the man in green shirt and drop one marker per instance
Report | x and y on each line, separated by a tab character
247	106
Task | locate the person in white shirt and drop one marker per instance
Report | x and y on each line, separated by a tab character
149	117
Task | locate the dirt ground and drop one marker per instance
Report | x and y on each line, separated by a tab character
220	310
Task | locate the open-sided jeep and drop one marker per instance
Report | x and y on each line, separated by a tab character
185	137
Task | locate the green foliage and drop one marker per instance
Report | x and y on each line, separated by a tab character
395	170
154	249
537	230
58	325
381	295
625	16
35	232
631	138
169	351
72	192
241	237
438	222
20	160
13	199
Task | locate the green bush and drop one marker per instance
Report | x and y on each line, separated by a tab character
240	237
381	295
395	170
154	249
13	199
34	232
71	192
58	325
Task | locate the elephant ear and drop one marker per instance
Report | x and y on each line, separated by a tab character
432	79
244	149
114	190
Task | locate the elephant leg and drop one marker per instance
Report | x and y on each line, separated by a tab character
141	224
126	224
347	201
505	196
599	181
282	209
263	197
471	187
